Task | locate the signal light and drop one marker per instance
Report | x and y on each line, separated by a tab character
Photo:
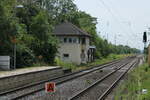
145	37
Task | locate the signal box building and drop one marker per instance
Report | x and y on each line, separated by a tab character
74	44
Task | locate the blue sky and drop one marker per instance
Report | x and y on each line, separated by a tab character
125	19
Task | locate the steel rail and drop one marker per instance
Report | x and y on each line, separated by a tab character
104	95
41	82
97	82
37	83
93	69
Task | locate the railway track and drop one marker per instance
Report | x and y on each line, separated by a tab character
98	92
104	95
24	91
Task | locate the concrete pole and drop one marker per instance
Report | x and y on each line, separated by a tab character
149	54
115	39
15	56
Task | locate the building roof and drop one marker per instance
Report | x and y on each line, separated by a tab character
68	29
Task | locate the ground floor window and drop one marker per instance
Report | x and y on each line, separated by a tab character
66	55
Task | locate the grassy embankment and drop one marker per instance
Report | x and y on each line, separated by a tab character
78	67
138	79
96	62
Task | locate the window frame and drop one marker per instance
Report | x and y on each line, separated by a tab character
65	40
65	55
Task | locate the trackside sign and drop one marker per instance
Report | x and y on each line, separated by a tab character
50	87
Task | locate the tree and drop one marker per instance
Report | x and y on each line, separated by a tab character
8	26
30	29
38	35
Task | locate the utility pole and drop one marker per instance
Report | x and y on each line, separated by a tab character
14	40
107	37
15	55
145	42
149	54
115	40
127	42
107	31
145	39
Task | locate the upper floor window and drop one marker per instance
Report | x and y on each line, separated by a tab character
74	40
65	40
70	40
79	40
83	41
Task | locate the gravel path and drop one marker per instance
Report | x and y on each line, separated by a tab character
37	87
71	87
95	92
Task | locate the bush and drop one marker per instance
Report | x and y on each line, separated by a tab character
146	69
48	52
25	56
64	64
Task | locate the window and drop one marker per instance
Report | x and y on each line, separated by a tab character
75	40
83	41
65	40
70	40
79	40
66	55
60	40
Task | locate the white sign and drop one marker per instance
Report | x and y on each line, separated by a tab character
5	62
144	91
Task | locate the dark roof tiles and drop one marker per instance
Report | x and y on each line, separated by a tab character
67	28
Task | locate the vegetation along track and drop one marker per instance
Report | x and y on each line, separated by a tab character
30	89
102	87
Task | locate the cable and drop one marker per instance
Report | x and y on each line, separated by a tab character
115	18
109	10
128	22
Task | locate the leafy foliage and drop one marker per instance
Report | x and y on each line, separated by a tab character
25	56
30	28
38	33
8	27
138	79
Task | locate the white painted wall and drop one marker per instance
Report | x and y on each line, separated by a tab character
74	51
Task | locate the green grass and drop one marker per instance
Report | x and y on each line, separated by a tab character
131	89
64	64
101	61
84	66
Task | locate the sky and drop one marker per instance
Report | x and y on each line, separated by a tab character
120	20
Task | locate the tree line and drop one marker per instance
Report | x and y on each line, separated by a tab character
30	28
